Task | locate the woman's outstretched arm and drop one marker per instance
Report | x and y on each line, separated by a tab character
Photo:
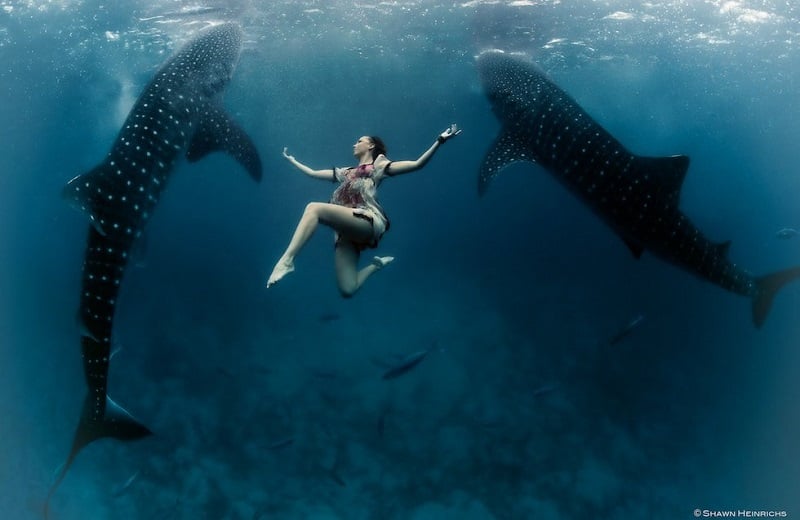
327	174
400	167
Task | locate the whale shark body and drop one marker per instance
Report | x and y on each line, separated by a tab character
638	197
179	114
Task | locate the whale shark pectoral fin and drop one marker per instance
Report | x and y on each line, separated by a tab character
81	190
116	423
506	149
668	172
218	132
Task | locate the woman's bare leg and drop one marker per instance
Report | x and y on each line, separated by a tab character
349	278
339	218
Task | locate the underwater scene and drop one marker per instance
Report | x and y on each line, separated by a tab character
584	305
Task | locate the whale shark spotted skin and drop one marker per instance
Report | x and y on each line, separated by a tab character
638	197
179	114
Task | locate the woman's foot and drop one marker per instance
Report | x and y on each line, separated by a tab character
382	261
282	268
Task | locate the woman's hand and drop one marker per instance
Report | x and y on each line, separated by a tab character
286	154
452	131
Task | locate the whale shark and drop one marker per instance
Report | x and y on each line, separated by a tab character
178	115
637	196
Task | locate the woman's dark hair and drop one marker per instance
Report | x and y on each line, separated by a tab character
380	146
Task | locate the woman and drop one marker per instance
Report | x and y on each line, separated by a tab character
353	212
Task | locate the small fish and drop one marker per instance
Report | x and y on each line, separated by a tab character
625	331
328	317
787	233
382	424
336	478
546	389
124	487
408	363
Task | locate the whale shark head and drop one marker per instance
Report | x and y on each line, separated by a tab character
209	60
509	81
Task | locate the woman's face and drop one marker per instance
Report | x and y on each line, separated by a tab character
362	146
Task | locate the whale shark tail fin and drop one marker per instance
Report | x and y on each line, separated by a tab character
766	288
117	423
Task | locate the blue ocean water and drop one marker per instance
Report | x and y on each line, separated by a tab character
522	409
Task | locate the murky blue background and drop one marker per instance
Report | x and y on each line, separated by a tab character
522	410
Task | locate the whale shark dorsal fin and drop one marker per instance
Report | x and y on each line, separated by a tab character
218	132
505	150
668	172
723	248
81	190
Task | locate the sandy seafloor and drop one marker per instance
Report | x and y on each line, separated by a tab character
270	403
